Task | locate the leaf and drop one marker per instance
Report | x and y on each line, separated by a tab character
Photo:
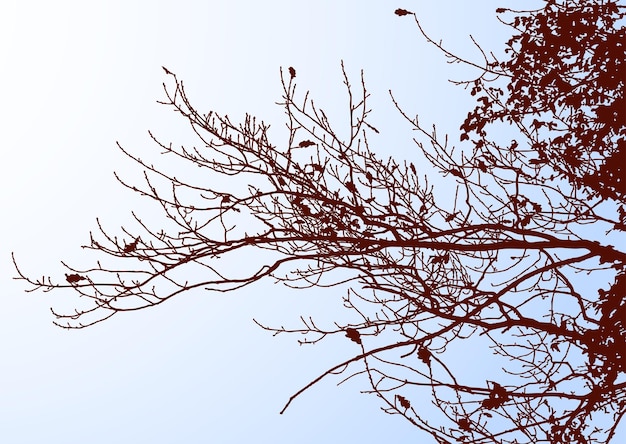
402	12
450	217
456	172
498	389
368	176
73	278
129	248
497	397
350	186
292	72
404	403
424	355
306	143
354	335
464	424
413	169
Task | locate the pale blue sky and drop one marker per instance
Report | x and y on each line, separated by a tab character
77	76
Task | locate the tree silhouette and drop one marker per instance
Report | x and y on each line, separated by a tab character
516	267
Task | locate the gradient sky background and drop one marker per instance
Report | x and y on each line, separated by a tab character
77	76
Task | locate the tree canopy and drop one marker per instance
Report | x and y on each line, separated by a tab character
514	264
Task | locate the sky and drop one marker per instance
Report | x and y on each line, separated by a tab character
77	77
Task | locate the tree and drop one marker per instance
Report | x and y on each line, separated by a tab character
513	266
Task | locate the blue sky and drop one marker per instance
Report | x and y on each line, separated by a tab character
78	76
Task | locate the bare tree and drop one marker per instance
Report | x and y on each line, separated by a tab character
516	266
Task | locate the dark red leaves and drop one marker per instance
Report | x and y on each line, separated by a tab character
317	167
354	335
450	217
74	278
537	124
129	248
424	355
464	424
306	143
497	397
292	72
402	12
404	403
481	166
553	50
456	172
560	140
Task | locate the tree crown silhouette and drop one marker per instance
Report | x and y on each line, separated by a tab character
514	263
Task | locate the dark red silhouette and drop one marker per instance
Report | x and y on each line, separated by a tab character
73	278
404	403
497	297
129	248
567	72
402	12
354	335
